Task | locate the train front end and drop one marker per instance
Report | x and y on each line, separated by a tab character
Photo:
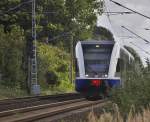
92	68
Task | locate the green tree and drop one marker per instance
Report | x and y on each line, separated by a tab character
54	17
100	33
12	46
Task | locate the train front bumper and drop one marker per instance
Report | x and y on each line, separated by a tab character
85	85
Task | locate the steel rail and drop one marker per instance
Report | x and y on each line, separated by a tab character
27	109
9	104
38	112
7	101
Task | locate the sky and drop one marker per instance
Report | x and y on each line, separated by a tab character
134	22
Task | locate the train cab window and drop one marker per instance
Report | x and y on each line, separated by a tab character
97	59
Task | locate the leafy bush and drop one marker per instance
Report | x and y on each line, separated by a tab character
53	73
135	91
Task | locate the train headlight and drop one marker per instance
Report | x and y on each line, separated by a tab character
97	46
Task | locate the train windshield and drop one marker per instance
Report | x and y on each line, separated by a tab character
97	59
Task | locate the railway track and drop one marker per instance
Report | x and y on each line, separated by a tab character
10	104
37	113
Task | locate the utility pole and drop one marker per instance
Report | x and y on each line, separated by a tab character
35	87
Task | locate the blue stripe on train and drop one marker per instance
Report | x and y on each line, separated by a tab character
80	84
114	82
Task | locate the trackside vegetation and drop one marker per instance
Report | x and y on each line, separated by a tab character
58	23
53	69
12	64
135	91
117	117
131	102
53	66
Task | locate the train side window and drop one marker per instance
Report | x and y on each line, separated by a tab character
118	65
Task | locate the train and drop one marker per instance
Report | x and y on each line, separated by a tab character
101	66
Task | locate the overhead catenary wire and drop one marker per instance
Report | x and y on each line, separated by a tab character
142	28
107	13
146	28
128	37
23	3
16	7
44	12
118	12
119	4
135	34
140	48
132	11
59	36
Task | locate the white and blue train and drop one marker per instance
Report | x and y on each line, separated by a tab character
100	66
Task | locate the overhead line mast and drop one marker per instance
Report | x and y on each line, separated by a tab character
35	88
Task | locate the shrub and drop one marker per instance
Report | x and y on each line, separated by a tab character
53	70
116	116
135	92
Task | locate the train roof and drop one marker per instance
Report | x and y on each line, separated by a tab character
97	42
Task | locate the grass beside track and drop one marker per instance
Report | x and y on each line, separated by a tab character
117	117
13	92
8	92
